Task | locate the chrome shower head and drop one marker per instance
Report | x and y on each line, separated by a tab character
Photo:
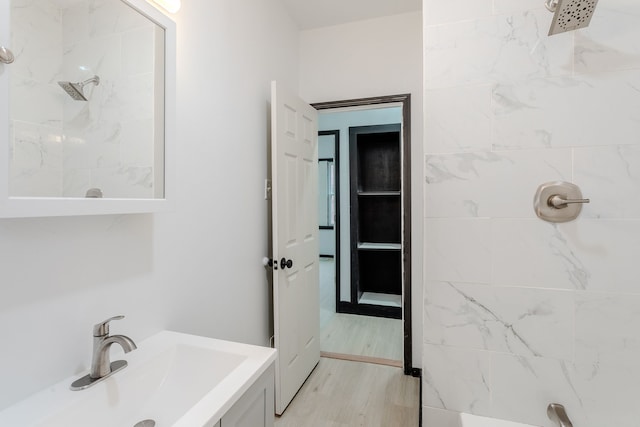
75	90
570	14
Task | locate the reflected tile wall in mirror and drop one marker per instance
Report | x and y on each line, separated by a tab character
61	147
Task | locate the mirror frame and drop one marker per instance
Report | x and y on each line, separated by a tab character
25	207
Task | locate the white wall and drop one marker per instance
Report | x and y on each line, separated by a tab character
372	58
519	312
197	269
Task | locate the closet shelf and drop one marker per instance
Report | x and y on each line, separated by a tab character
378	193
379	246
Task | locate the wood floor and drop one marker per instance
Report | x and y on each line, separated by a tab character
363	336
366	336
342	393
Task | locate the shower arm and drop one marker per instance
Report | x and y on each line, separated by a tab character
551	5
94	79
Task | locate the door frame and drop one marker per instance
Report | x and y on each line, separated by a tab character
405	101
336	222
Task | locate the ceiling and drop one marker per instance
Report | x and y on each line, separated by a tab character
311	14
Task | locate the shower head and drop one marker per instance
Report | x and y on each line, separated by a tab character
570	14
75	90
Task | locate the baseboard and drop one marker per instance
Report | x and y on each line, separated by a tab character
370	310
364	359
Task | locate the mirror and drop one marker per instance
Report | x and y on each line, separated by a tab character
326	193
89	107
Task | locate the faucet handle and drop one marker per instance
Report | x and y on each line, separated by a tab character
101	329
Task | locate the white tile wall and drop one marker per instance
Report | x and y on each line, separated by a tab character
597	168
500	48
518	312
449	241
586	110
471	102
62	147
503	319
36	117
457	379
490	183
522	388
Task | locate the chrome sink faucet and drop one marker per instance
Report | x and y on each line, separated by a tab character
102	341
101	365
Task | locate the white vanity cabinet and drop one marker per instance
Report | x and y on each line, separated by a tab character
256	407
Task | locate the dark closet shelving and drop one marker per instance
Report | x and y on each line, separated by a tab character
376	235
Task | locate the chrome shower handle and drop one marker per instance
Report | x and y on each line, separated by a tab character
6	56
558	202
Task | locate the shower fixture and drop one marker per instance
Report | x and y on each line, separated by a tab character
558	201
75	90
6	56
570	14
558	415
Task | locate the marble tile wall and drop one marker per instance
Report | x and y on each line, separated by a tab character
519	312
109	140
36	118
62	147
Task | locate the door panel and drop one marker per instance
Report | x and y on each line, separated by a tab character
295	238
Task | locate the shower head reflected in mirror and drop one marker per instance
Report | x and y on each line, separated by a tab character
76	90
570	15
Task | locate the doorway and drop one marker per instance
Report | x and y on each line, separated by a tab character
372	279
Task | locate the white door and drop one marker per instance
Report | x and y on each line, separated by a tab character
294	156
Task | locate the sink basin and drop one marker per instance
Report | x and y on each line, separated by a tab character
173	379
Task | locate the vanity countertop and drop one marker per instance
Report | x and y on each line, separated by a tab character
177	379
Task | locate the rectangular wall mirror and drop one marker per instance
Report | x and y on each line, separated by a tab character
87	118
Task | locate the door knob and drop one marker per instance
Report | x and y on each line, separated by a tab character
285	263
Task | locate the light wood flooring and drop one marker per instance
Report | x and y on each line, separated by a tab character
363	336
342	393
371	337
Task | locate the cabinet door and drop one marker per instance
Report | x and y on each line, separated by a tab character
256	407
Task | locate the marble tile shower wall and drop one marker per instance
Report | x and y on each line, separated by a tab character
36	116
62	147
519	312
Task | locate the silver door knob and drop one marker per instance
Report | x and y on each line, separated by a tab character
6	56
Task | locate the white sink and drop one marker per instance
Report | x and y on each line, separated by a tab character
173	379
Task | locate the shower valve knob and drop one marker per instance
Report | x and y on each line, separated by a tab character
558	201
